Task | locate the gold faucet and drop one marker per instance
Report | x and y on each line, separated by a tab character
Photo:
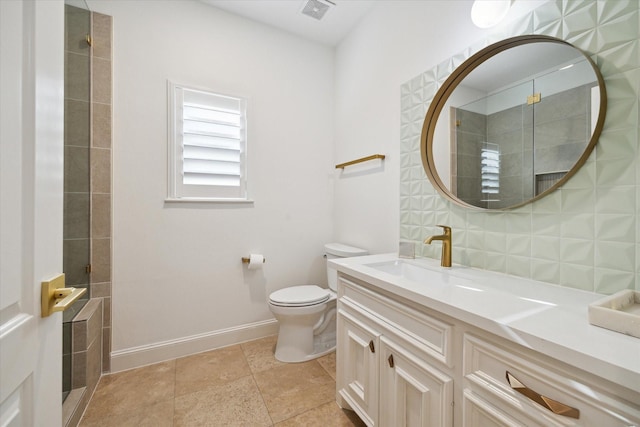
445	260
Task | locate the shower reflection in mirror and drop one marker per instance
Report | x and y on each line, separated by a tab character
514	143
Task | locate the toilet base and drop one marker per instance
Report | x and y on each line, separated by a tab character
308	336
320	348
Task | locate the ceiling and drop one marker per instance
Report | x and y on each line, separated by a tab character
521	63
286	15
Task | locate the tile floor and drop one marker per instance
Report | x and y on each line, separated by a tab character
241	385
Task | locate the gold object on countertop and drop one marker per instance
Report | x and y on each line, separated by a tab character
445	260
55	297
364	159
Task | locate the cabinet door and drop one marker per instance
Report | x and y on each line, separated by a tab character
357	366
412	393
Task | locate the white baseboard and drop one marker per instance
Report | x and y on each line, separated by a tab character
122	360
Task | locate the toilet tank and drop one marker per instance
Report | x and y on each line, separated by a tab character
339	250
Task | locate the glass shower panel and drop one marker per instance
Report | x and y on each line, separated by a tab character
77	197
494	148
562	120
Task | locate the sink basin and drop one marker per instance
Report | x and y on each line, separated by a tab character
417	272
404	269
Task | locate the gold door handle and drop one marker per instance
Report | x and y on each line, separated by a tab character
55	297
550	404
372	347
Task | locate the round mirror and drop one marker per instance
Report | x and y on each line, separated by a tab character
513	123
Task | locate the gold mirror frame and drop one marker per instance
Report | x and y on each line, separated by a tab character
458	75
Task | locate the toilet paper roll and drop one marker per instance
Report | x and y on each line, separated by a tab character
255	261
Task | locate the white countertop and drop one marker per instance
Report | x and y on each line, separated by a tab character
550	319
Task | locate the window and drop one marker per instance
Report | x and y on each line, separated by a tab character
490	171
207	145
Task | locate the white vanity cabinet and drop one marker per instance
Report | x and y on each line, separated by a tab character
400	363
383	372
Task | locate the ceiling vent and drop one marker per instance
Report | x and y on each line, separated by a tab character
316	8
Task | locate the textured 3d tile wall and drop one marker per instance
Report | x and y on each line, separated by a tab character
586	234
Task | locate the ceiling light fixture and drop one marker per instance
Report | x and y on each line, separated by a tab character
487	13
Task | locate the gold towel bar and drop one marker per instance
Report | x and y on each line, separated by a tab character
364	159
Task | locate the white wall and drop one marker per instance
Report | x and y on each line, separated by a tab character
177	275
395	42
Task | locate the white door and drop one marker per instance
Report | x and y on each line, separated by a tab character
31	191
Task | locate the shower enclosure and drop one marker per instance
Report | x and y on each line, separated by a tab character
86	342
77	197
511	146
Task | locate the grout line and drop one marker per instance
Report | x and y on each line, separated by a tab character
244	354
175	380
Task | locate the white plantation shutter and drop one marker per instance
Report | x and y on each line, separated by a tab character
208	145
490	171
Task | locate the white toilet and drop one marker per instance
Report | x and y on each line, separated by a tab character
307	313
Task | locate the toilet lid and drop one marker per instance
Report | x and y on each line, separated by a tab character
296	296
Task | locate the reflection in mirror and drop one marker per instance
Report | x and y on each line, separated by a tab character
513	123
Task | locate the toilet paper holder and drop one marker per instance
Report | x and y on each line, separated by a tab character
245	260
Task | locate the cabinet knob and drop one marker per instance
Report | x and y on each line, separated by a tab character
390	360
552	405
372	347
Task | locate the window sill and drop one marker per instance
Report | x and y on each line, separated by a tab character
208	200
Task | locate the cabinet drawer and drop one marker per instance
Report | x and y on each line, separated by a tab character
477	412
433	336
486	368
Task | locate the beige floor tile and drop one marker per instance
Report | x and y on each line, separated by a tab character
328	362
157	415
197	372
236	403
292	377
217	388
260	354
290	404
294	388
133	390
328	414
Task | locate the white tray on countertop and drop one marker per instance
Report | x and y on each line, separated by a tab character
619	312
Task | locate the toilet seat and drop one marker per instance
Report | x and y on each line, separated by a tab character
299	296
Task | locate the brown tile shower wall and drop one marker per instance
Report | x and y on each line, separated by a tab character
511	130
471	131
76	151
101	174
77	196
88	203
87	345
